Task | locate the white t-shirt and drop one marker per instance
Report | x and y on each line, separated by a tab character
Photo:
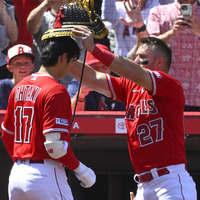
125	37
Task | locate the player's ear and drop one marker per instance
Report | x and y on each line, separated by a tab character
160	62
63	58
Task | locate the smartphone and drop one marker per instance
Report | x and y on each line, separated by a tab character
186	10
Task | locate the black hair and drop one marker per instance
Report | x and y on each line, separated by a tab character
52	48
162	47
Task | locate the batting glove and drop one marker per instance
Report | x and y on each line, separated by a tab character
85	175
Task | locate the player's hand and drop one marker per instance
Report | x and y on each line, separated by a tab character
83	33
133	14
85	175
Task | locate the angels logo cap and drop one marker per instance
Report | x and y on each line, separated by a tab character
17	50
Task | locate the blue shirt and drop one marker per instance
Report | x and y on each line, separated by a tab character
6	85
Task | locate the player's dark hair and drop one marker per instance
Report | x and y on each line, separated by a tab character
52	48
161	46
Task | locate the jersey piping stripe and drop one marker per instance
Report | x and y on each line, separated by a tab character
154	82
55	130
6	130
111	86
37	74
61	196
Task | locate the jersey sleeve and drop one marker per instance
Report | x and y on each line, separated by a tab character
57	111
166	86
69	160
8	140
119	88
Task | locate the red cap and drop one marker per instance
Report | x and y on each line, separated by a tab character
90	59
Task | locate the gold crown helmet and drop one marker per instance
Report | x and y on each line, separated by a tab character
76	14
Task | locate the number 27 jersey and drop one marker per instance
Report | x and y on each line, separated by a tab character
154	120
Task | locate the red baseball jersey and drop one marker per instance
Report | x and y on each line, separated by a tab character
38	105
154	120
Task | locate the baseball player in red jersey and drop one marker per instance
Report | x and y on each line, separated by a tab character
154	115
36	129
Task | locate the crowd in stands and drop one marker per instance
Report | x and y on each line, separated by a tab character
24	22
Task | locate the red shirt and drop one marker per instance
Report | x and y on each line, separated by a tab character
22	9
154	120
38	105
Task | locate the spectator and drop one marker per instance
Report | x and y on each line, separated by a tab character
8	34
125	36
166	23
20	63
40	20
22	9
90	100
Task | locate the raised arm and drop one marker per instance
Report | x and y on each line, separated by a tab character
34	19
9	22
91	78
134	18
118	64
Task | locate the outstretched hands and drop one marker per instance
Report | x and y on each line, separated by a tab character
133	14
83	33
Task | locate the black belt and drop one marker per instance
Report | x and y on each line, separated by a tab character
32	161
36	161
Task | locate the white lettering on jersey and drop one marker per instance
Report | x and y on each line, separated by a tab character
27	93
62	121
146	107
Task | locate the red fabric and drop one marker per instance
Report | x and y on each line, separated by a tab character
153	120
58	17
8	143
69	160
42	109
106	57
22	9
90	59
